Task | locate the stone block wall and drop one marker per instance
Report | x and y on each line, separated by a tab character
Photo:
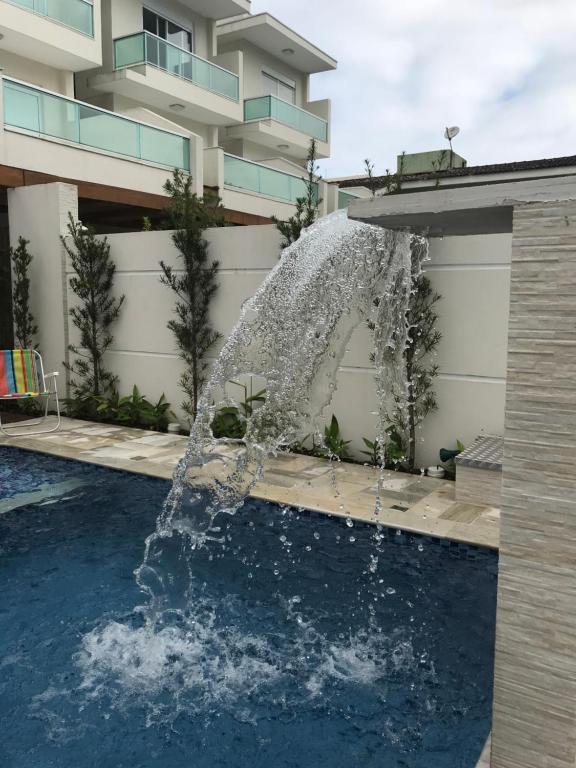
535	675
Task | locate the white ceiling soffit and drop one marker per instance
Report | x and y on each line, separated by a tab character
218	9
270	35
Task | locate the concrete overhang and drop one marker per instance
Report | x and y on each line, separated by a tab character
270	35
478	210
41	39
160	89
271	134
218	9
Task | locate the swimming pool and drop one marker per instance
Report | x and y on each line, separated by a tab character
306	643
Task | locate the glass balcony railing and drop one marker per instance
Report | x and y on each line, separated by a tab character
76	14
262	179
345	198
145	48
273	108
47	114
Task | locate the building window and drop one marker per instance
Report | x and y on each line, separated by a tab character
167	30
275	85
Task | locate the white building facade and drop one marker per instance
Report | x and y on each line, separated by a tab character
113	94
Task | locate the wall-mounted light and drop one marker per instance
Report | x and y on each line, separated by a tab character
283	146
177	107
288	51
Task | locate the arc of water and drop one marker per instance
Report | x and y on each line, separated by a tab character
294	332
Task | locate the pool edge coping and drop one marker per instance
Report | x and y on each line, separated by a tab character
158	475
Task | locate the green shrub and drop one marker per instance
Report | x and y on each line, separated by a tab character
231	421
333	445
394	452
134	410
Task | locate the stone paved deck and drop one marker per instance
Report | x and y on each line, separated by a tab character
484	761
424	505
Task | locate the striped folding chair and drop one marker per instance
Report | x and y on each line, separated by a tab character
21	377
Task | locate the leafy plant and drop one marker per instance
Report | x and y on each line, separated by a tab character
371	184
135	410
24	326
231	421
146	224
334	444
393	181
82	405
423	338
96	311
306	206
194	289
394	451
390	182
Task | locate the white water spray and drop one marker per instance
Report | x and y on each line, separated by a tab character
293	333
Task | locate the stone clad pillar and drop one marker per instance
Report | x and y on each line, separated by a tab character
535	674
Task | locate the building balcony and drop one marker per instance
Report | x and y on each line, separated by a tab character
259	179
166	77
272	122
76	14
87	143
64	34
273	108
145	48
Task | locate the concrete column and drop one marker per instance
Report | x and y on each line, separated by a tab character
330	193
197	163
535	674
40	214
214	168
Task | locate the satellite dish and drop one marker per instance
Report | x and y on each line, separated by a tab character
450	133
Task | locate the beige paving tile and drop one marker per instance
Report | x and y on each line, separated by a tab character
414	503
484	761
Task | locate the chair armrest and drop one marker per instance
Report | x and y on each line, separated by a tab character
51	375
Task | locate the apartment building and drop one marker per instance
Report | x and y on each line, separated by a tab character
113	94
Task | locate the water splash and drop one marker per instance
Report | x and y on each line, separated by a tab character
293	333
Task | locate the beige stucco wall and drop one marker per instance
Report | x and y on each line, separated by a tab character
472	273
30	72
254	60
473	276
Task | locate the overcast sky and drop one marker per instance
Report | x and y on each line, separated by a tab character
503	70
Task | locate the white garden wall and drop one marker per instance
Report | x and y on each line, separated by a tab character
472	274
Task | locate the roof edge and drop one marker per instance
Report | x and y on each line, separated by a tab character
237	22
379	182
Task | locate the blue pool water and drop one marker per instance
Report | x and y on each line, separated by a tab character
301	648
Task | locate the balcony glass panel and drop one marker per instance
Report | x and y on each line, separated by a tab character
345	198
108	132
34	110
129	51
254	177
164	148
271	107
145	48
77	14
